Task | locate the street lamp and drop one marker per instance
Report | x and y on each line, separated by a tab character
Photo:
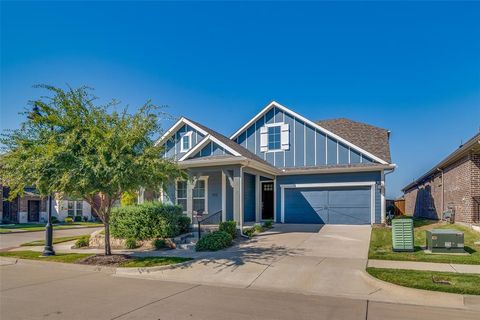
48	249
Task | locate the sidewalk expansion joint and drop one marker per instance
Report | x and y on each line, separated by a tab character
153	302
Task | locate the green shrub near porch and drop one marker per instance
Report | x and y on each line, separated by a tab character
148	220
214	241
229	227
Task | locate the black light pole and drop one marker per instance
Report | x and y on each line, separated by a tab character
48	249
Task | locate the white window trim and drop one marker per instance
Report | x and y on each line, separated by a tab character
189	136
271	125
185	210
75	208
203	178
371	184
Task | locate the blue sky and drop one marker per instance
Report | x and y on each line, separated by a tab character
413	68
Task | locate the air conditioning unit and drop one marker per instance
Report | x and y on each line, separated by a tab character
445	241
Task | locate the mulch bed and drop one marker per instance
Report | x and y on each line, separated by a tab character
114	260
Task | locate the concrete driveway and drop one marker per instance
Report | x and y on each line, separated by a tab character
304	258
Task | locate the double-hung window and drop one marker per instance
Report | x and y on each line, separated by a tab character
274	137
182	194
198	195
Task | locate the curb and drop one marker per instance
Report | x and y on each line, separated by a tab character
104	269
467	302
28	231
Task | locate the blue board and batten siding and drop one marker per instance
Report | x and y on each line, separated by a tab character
308	145
172	145
211	149
336	205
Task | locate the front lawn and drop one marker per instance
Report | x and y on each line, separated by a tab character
430	280
124	261
55	241
41	226
381	244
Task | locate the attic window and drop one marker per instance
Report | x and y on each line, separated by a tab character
274	137
186	142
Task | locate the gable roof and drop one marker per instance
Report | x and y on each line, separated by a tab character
182	121
223	141
316	126
373	139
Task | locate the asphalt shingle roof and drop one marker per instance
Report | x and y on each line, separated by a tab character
370	138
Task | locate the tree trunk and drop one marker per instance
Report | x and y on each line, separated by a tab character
108	250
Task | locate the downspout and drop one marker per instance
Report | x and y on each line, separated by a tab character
385	172
442	197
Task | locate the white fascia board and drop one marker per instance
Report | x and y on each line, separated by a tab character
177	126
195	163
208	138
340	170
311	123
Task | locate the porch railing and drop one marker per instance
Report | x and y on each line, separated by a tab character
210	221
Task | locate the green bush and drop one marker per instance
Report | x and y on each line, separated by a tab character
82	242
184	224
229	227
68	220
78	219
158	244
54	219
149	220
85	219
130	243
249	232
268	224
214	241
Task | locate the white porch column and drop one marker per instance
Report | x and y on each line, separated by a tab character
258	200
224	197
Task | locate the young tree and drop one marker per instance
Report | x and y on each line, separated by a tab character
72	146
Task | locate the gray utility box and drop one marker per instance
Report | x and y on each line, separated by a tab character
402	235
445	241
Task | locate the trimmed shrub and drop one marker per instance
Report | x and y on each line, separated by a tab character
268	224
68	220
184	224
82	242
85	219
214	241
229	227
158	244
130	243
149	220
249	232
54	219
78	219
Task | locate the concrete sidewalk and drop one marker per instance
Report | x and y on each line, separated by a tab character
425	266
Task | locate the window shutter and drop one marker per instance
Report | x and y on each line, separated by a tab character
285	136
263	139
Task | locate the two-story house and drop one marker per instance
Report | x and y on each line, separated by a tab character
281	166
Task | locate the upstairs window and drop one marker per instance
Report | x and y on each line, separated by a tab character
186	142
274	138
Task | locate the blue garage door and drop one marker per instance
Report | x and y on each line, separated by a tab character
328	205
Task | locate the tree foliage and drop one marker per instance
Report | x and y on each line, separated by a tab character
75	147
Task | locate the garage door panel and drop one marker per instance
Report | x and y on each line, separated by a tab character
328	205
305	206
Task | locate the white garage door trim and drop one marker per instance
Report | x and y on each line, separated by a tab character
371	184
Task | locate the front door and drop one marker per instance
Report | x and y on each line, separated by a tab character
33	210
267	200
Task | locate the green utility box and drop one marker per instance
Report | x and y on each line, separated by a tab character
402	235
445	241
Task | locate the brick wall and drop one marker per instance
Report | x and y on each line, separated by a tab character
461	192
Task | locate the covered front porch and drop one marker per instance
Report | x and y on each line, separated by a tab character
227	192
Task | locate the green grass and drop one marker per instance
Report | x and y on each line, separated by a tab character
381	244
74	257
59	257
55	241
41	226
153	261
458	282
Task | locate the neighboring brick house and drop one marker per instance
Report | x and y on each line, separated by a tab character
31	207
454	184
